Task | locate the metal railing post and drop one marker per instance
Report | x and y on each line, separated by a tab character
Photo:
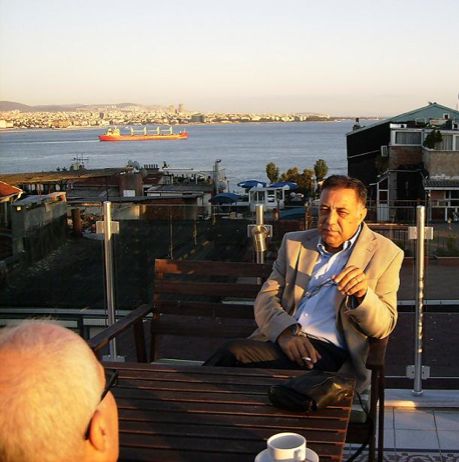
420	233
418	337
108	259
107	227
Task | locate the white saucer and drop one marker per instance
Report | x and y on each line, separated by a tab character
264	456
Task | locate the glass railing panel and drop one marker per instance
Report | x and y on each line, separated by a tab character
56	263
441	305
59	265
441	341
150	231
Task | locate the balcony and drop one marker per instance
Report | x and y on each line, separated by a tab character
68	284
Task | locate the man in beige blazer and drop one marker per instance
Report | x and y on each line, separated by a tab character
330	289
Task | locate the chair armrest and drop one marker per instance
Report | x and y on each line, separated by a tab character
102	339
377	352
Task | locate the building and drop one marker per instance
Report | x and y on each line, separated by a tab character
38	224
8	194
409	159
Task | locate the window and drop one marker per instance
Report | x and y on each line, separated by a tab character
259	196
407	137
446	143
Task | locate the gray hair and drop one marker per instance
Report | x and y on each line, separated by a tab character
50	386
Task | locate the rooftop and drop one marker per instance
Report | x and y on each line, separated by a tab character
44	177
433	111
6	190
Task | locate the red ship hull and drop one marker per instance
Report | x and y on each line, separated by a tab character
178	136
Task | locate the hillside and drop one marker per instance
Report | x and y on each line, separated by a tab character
12	106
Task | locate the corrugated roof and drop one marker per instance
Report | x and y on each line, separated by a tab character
431	111
41	198
441	183
7	190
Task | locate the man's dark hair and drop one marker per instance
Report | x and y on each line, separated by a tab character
346	182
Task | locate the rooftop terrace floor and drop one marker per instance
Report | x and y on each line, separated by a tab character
424	434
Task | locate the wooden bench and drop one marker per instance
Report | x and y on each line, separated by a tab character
215	299
208	299
204	299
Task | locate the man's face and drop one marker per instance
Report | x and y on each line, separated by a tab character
340	215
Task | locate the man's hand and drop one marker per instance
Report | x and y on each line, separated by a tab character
352	281
298	349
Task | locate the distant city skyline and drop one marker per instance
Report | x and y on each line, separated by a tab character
341	58
6	106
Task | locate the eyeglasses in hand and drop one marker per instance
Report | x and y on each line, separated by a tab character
314	290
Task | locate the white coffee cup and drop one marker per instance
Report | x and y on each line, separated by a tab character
287	447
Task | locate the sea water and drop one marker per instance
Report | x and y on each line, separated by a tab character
244	149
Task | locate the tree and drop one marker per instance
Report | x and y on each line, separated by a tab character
308	181
320	169
291	174
432	139
272	172
303	180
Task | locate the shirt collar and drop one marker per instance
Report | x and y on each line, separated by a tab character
347	244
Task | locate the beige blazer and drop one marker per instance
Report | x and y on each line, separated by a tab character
376	316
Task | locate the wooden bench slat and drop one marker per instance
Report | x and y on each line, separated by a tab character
212	268
203	445
221	431
134	453
196	308
252	385
231	409
200	329
189	395
142	453
214	289
191	371
290	422
177	386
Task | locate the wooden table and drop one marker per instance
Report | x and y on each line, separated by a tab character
193	413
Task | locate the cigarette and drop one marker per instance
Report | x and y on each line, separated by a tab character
306	358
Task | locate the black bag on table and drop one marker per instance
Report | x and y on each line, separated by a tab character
310	391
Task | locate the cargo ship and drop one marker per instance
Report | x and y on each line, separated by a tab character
114	134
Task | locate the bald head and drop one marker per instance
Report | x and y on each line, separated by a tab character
50	387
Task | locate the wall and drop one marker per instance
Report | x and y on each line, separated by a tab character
38	227
131	182
404	155
439	163
363	151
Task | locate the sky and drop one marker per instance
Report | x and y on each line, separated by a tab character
338	57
